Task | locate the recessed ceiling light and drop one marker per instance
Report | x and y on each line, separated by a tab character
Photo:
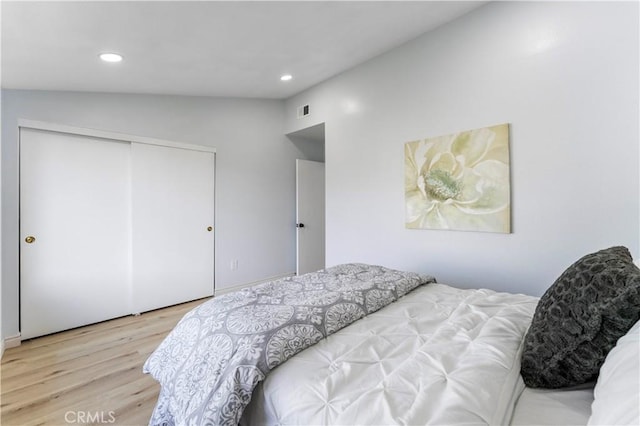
110	57
286	77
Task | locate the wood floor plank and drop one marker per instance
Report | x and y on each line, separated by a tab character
92	373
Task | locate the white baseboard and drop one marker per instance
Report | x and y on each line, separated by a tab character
221	291
12	342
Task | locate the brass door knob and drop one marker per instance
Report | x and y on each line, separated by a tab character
209	228
30	239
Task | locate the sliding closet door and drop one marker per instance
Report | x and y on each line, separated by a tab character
74	230
173	210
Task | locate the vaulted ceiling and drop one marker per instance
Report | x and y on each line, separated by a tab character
204	48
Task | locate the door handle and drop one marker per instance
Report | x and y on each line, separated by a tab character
299	225
30	239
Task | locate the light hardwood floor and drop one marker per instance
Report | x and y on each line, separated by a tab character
89	375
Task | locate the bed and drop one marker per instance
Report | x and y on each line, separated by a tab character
361	344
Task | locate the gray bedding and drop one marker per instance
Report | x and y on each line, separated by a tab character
210	363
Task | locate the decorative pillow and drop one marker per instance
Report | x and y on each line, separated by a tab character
580	318
617	392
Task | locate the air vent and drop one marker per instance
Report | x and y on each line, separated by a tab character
303	111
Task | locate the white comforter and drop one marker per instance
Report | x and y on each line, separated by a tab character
439	355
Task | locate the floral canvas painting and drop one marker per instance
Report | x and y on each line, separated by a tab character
459	181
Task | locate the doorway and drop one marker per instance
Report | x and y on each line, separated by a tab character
310	199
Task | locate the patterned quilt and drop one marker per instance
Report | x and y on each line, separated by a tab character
210	363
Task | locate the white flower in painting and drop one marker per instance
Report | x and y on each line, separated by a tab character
459	181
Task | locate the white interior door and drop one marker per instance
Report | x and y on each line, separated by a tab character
173	211
75	204
310	216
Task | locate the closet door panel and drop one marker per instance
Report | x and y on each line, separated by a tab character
75	203
173	207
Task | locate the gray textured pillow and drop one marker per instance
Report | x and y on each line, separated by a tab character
580	318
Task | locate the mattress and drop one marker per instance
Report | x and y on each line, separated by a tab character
439	355
567	406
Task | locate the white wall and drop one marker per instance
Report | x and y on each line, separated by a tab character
255	172
1	281
565	75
